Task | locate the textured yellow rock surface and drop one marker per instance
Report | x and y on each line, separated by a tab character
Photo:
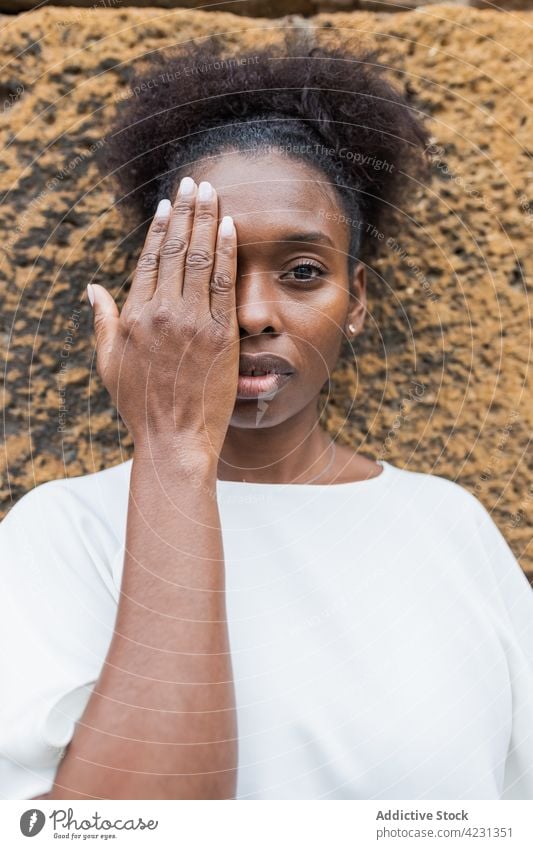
441	381
270	8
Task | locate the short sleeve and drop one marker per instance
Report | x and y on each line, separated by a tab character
512	596
57	612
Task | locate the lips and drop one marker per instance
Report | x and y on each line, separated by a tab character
264	364
260	387
262	375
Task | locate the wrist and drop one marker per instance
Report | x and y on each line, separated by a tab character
175	453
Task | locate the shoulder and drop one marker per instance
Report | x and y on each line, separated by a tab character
463	529
448	516
65	533
430	492
453	505
61	499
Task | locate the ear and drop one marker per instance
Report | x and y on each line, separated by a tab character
355	317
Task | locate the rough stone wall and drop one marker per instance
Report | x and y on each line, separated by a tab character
269	8
442	381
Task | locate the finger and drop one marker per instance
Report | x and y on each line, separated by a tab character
106	323
174	248
145	277
222	288
201	252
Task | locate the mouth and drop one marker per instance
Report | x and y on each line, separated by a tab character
260	385
262	375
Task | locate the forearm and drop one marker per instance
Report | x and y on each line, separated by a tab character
161	721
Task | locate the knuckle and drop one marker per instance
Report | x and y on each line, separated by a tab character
221	283
159	226
199	259
205	214
183	207
148	261
173	247
226	250
163	317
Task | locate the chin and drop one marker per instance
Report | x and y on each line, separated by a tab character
258	413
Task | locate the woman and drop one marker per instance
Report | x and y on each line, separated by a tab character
246	609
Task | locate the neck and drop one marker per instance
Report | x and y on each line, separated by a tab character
293	451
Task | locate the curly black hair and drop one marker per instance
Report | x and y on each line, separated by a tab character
329	108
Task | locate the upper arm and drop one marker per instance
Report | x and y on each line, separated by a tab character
512	596
56	621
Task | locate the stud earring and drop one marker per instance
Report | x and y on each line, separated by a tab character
351	328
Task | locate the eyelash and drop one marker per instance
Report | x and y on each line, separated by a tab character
308	263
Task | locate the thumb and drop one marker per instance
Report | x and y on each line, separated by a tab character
106	316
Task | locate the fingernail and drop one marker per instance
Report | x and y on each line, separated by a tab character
186	186
163	208
205	190
90	294
226	226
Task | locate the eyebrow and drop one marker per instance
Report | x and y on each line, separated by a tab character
307	237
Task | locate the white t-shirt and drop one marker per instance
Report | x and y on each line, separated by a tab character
381	634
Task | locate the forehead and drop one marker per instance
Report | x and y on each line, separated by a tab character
272	193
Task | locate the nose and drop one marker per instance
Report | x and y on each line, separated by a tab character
257	304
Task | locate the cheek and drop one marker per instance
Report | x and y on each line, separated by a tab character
330	309
321	312
326	350
320	334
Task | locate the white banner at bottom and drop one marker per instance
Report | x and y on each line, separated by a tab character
272	824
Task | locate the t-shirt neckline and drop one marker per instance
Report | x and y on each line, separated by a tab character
386	468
